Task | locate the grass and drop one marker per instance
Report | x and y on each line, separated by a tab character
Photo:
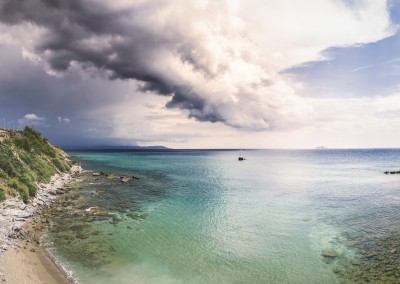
26	159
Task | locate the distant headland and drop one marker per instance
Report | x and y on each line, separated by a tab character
111	147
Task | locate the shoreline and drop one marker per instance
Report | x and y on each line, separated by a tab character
22	257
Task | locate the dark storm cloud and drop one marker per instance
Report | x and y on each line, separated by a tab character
94	35
196	105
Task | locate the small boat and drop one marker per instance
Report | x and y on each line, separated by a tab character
241	158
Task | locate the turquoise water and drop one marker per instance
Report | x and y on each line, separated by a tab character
204	217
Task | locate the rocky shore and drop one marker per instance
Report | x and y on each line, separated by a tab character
15	235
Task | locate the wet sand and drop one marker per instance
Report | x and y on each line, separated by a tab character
30	266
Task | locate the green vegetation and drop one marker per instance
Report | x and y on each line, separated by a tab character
26	159
2	194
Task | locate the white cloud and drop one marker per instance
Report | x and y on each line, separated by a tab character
353	122
293	32
32	119
63	119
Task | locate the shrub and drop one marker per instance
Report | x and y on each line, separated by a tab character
59	165
2	194
13	183
7	166
27	180
32	187
3	174
26	158
22	189
24	192
31	140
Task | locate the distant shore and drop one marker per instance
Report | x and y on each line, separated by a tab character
22	259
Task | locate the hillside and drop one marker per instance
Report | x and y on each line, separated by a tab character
27	159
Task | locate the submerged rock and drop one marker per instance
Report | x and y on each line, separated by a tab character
82	236
352	243
124	179
329	253
79	227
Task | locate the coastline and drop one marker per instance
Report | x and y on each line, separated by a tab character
22	258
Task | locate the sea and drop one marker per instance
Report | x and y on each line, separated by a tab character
202	216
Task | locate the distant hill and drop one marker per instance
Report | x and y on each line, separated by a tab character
27	159
109	147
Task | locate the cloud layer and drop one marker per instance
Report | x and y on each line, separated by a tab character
218	61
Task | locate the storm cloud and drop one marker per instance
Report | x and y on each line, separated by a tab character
149	42
217	61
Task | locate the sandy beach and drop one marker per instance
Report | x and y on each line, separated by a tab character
22	259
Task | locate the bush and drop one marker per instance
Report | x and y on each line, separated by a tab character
22	189
45	172
24	192
30	184
13	183
32	189
3	175
26	158
2	194
59	165
31	140
7	166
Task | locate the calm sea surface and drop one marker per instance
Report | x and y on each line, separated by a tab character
205	217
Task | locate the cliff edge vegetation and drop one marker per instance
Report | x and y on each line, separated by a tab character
27	159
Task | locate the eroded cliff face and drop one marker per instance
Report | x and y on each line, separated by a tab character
27	159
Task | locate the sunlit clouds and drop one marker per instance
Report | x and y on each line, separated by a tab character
191	73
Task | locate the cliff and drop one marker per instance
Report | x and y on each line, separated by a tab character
27	159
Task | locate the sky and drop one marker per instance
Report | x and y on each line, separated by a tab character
203	73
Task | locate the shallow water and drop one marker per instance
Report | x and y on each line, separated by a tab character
204	217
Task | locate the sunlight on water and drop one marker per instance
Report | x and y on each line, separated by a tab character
204	217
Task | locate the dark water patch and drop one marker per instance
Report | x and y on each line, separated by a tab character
370	232
92	202
377	260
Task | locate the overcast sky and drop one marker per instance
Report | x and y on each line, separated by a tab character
203	74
